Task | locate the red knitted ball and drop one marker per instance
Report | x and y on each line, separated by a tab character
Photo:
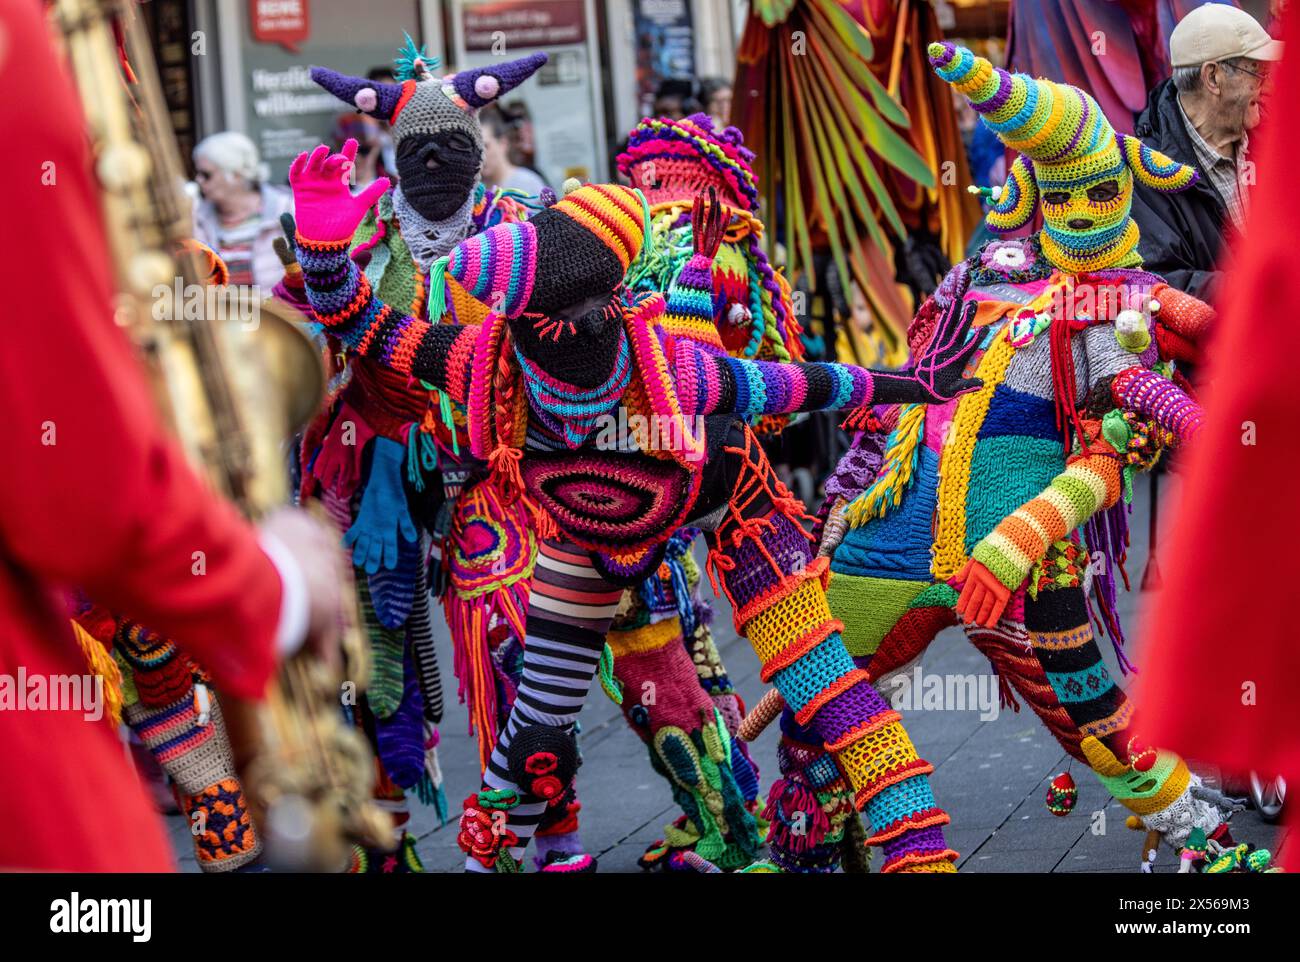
1062	793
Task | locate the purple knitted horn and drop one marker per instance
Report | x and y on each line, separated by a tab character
369	96
482	85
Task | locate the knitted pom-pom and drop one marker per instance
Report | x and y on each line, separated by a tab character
569	186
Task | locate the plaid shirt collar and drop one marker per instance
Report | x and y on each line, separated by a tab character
1223	172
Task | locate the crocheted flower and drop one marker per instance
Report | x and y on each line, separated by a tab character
547	787
1007	256
480	835
540	763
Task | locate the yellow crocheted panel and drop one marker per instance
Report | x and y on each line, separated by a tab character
955	465
788	620
869	761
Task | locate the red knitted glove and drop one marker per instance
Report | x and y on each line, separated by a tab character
983	597
324	205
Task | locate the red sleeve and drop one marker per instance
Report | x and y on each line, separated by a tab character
92	491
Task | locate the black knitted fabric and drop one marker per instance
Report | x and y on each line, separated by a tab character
439	170
534	740
573	264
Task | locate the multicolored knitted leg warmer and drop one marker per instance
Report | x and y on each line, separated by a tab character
810	806
767	566
689	741
178	718
1064	644
569	613
190	742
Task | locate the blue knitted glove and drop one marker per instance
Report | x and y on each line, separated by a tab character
383	515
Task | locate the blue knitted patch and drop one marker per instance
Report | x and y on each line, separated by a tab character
897	545
1015	412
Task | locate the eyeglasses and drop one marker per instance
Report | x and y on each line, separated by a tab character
1261	75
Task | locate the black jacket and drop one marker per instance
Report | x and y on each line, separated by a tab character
1181	233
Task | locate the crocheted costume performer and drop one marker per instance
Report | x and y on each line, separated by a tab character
989	507
747	306
565	347
388	454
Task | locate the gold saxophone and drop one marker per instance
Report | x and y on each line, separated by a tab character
236	376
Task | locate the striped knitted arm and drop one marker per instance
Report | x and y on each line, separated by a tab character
346	306
1090	483
712	384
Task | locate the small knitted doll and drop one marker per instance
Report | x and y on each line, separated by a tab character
564	349
987	509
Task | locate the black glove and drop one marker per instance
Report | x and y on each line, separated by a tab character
937	375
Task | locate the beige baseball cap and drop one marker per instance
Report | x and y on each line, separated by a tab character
1216	31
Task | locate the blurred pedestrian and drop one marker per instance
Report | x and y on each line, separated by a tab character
1202	116
369	135
498	169
238	213
715	95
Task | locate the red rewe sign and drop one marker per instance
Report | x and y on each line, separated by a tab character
286	22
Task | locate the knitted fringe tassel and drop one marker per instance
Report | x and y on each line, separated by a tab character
101	663
902	453
429	788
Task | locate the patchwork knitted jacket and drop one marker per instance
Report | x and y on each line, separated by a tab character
1000	474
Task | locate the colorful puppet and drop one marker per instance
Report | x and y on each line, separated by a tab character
988	508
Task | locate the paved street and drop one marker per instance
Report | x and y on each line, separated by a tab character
991	776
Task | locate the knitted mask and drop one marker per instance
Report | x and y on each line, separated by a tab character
435	128
554	277
675	159
1071	162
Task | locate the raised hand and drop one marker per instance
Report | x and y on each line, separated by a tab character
937	374
325	207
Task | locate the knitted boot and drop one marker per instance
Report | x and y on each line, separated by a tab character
809	806
767	566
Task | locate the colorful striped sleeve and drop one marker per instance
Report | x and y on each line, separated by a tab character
1090	483
346	306
710	383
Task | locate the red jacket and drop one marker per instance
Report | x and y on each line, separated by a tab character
92	492
1220	674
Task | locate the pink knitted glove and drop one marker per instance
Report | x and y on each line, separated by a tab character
323	203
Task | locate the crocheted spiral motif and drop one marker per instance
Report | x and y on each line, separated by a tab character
611	502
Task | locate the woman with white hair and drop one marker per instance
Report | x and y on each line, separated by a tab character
238	213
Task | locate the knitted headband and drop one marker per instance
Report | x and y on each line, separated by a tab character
669	159
580	246
1060	131
425	106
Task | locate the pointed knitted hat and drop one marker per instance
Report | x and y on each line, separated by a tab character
578	248
422	106
1066	146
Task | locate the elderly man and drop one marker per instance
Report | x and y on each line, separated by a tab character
1200	116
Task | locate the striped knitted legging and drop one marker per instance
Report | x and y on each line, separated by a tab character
569	613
